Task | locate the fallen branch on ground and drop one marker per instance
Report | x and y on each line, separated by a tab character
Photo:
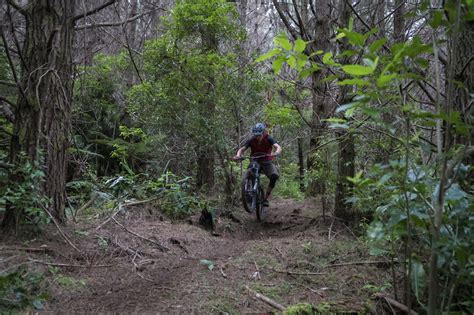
258	270
62	233
67	265
27	249
267	300
377	262
161	247
86	205
121	206
298	273
395	303
222	272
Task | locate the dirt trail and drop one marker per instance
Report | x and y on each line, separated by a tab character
279	258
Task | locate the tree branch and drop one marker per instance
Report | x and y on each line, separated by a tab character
93	11
8	112
10	62
300	22
8	83
285	20
16	6
110	24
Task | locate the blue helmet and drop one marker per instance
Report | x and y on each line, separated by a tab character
258	129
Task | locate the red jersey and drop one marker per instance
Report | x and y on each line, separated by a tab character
264	146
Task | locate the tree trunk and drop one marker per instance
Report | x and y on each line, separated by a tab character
345	169
206	150
399	21
346	147
301	163
460	69
321	101
42	117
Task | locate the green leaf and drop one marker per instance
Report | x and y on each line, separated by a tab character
318	52
357	70
338	126
376	231
300	45
436	19
377	44
422	62
268	55
291	61
278	63
345	107
455	193
418	277
336	120
358	82
383	79
282	41
371	63
301	62
38	305
329	78
208	263
307	72
327	58
355	38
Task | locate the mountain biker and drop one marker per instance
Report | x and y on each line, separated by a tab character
261	143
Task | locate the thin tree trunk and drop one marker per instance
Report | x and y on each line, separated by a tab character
206	150
301	162
321	101
346	147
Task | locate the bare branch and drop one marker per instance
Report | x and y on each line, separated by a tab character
93	11
16	6
110	24
8	83
285	20
10	62
7	111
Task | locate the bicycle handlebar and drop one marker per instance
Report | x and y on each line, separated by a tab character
253	157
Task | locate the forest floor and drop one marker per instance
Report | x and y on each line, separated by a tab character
141	262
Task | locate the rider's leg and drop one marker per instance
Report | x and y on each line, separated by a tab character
271	185
271	172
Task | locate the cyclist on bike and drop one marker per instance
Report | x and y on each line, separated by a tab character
262	144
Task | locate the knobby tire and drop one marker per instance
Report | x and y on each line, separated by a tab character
247	185
261	211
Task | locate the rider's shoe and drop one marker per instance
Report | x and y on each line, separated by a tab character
266	203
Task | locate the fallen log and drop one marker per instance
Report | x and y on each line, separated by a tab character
395	303
267	300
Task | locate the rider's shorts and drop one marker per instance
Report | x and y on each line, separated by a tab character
269	168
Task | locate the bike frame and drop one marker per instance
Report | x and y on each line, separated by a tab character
255	169
256	191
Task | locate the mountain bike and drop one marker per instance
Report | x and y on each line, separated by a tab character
252	191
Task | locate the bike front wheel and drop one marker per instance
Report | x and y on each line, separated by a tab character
261	210
249	199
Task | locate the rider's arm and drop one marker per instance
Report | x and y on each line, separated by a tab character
240	152
277	149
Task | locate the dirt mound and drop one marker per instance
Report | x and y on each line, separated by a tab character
137	263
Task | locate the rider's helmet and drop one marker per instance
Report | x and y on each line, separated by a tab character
258	129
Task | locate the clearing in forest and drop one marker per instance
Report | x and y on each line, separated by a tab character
139	261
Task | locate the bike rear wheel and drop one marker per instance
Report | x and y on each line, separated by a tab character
249	200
